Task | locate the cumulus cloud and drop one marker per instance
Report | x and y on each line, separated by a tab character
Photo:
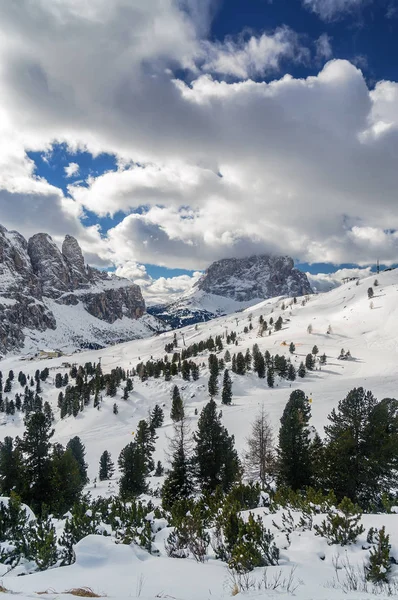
209	167
332	9
71	169
254	57
324	282
323	46
157	291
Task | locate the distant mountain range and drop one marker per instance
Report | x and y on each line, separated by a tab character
232	284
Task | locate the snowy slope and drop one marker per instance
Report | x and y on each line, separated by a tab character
371	335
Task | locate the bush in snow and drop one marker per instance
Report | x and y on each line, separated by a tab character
341	526
379	561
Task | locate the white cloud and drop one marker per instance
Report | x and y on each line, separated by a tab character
157	291
71	169
254	57
323	46
300	166
332	9
324	282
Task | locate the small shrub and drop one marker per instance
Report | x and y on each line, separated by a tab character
341	526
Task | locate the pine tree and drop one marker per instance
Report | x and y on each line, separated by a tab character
43	539
177	406
145	442
106	466
157	417
379	567
370	292
11	467
270	378
226	395
216	459
79	452
294	457
301	370
133	467
291	372
65	480
178	484
212	385
278	324
292	348
309	362
36	447
315	350
259	458
240	364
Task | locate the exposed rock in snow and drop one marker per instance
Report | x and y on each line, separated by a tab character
233	284
35	272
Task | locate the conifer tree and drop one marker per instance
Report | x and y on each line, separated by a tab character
157	417
294	456
216	460
301	370
133	467
65	480
36	448
212	385
226	395
78	450
270	378
106	466
11	467
292	348
240	364
177	406
145	442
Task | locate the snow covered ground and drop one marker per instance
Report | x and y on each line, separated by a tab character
371	335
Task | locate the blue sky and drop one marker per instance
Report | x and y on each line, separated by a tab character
120	119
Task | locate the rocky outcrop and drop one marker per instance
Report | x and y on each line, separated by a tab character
35	277
256	277
231	284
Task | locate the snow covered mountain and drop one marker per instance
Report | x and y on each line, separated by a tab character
50	298
232	284
344	317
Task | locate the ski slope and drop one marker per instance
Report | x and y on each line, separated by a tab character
371	335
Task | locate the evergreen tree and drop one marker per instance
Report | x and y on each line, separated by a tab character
79	452
315	350
291	372
178	484
301	370
213	385
240	364
216	460
145	443
278	324
177	406
36	448
65	480
133	467
270	378
226	395
292	348
309	362
11	467
106	466
362	445
157	417
370	292
43	539
294	456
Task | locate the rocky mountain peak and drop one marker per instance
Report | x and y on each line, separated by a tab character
49	265
37	279
73	255
254	277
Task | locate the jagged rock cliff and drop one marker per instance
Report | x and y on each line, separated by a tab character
256	277
231	284
37	280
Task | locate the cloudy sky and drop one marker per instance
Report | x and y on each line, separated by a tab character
166	134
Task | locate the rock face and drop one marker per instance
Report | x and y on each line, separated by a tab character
256	277
36	278
231	284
